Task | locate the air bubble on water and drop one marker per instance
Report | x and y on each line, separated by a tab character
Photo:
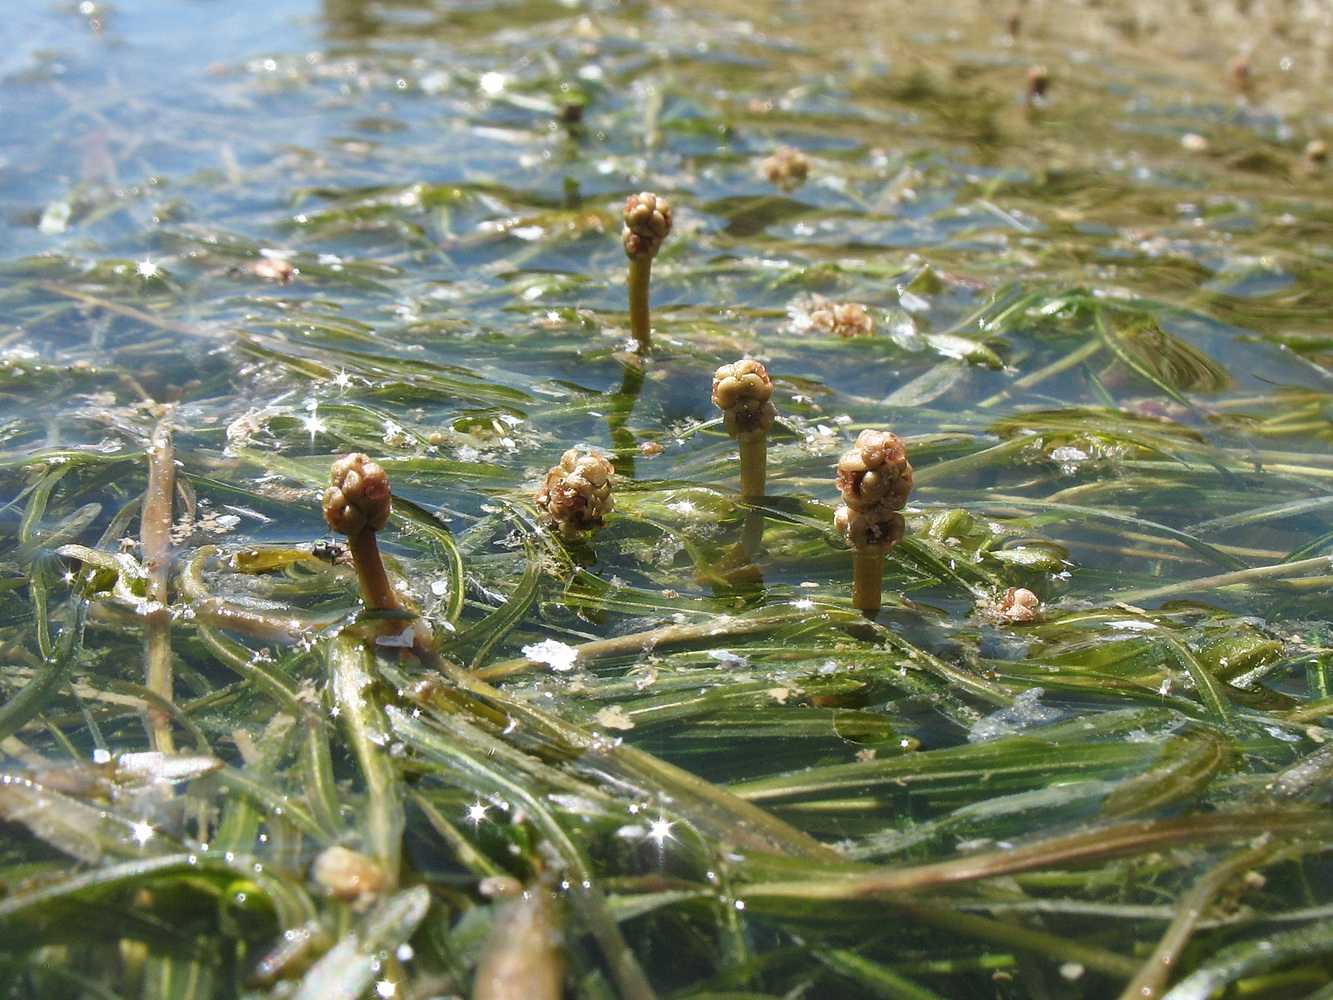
1026	712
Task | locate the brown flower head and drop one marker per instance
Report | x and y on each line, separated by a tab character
1038	82
875	472
873	530
576	496
647	224
815	312
358	495
1241	73
743	392
344	874
787	168
1018	604
1316	154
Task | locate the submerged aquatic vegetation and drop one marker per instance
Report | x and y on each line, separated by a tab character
1081	751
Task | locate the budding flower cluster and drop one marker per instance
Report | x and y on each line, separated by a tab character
875	471
1038	82
743	392
787	168
875	479
1018	605
358	495
815	312
870	529
647	224
576	496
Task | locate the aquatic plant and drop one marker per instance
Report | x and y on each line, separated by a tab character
357	503
1109	359
786	169
576	494
743	392
1036	83
647	223
874	478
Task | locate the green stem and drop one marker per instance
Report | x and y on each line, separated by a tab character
619	413
640	269
867	581
376	590
752	533
30	699
754	466
700	635
155	542
1024	939
1098	843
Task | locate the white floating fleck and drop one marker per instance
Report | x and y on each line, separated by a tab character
554	653
726	658
615	717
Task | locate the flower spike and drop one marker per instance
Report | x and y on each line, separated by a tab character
647	220
875	478
357	504
576	496
743	392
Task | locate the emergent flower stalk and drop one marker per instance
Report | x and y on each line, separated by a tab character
743	392
875	479
647	225
357	504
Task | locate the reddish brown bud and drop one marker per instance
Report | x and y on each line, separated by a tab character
1018	605
358	495
344	874
1241	73
787	168
647	224
1038	82
576	496
872	530
1316	154
875	471
743	392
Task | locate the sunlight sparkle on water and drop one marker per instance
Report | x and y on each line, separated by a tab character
141	832
660	830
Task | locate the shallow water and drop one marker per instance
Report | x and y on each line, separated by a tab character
281	232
